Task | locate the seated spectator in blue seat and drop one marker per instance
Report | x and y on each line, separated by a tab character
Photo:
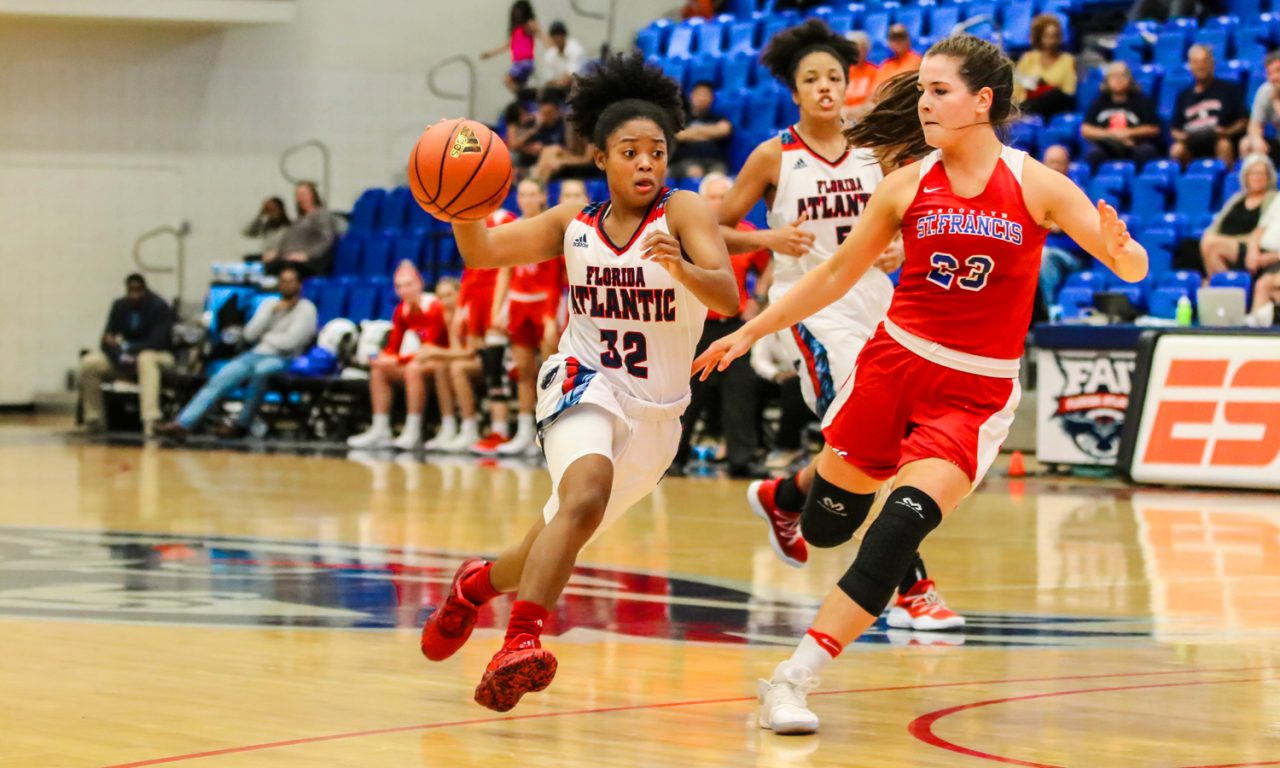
1225	244
1121	124
269	227
1262	259
1056	263
1044	81
419	331
135	343
703	145
280	330
307	245
541	134
1208	115
563	59
1265	111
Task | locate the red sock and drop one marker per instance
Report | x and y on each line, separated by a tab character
477	588
526	619
828	643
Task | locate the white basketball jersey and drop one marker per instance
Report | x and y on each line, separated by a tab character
833	194
629	320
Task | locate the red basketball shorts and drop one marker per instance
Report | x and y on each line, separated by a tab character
899	407
477	303
525	322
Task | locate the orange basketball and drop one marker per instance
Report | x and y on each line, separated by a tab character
460	171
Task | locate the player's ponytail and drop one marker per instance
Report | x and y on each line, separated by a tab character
892	128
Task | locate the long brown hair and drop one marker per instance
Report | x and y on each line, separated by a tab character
892	129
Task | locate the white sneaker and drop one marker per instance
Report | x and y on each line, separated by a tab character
441	439
520	445
407	441
468	435
370	439
782	700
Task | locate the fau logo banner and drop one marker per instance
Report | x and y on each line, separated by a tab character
1211	415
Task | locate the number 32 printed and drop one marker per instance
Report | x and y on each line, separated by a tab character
636	350
945	266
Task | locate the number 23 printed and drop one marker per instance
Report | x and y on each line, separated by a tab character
944	266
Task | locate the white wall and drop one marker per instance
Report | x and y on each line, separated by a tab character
108	130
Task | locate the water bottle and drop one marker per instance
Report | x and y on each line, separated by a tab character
1182	315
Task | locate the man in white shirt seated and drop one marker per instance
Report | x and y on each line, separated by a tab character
563	59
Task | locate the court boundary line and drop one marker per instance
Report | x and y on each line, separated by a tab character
922	727
653	706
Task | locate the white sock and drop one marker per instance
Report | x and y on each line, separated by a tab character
381	423
412	424
524	424
469	426
502	428
448	425
812	655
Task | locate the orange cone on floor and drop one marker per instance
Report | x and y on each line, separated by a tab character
1017	465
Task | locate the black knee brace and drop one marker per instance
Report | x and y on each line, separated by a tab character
889	547
495	374
831	514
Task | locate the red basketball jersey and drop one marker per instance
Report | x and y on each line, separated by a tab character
484	279
972	264
536	282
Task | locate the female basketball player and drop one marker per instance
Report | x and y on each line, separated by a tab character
933	392
609	403
816	184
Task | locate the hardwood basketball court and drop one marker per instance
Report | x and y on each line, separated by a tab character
248	608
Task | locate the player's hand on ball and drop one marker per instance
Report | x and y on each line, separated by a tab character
1115	234
661	248
722	352
791	240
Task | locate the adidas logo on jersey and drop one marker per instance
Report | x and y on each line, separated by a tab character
800	163
581	241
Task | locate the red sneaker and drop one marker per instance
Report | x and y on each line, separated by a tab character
488	445
449	627
922	609
520	667
784	527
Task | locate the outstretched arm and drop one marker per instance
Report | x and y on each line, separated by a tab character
694	231
526	241
1097	230
758	176
821	286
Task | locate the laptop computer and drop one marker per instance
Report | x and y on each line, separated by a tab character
1221	307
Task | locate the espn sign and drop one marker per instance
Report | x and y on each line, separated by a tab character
1210	412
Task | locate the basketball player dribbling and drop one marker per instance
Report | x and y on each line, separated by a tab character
933	392
816	184
609	402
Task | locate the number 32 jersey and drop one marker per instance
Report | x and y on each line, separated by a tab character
629	320
973	264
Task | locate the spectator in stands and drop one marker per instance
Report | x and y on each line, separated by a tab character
523	32
135	343
1225	244
307	245
700	9
1044	82
773	359
1265	111
569	159
1208	116
1057	158
1056	262
902	59
703	145
563	59
280	330
545	137
270	225
418	332
1262	257
1121	124
862	79
736	387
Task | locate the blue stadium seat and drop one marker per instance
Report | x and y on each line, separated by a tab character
364	214
1132	48
312	287
1093	280
376	260
676	68
736	70
1254	37
1206	167
363	302
448	259
761	109
1230	185
742	142
332	303
840	23
704	68
1025	134
395	209
683	39
788	112
1194	194
1244	8
1168	169
410	246
1182	278
1170	48
912	17
649	42
1088	88
1074	300
943	19
1148	77
775	23
388	303
741	7
1163	301
598	190
1134	292
1234	279
1151	196
741	37
418	218
1176	79
1017	24
1160	242
346	260
1113	188
1215	38
732	105
711	38
1063	129
876	25
1123	168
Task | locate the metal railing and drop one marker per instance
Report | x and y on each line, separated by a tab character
608	18
179	234
469	96
324	164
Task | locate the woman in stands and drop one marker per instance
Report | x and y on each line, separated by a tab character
643	269
933	392
816	185
419	330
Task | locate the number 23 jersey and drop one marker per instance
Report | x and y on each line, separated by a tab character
629	320
972	264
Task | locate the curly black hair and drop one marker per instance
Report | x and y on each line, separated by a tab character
621	88
783	53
